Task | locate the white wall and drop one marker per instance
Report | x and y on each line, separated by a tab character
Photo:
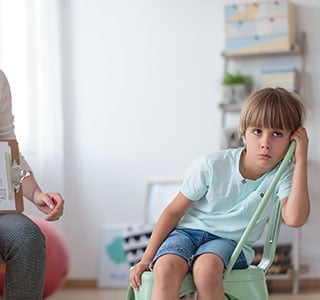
141	93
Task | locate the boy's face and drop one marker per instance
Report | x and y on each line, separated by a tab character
265	148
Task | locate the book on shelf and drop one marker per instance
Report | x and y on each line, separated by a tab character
285	77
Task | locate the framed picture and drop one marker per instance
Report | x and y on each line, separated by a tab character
136	237
159	195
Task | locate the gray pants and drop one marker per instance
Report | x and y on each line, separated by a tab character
23	249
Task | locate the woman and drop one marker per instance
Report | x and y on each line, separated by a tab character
22	244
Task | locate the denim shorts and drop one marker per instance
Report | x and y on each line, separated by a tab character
190	243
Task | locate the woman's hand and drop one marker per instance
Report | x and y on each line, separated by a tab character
52	204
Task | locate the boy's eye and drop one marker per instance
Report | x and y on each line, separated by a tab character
277	134
257	131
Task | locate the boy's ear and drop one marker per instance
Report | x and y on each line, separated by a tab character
243	139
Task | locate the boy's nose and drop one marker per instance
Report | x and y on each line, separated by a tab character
265	143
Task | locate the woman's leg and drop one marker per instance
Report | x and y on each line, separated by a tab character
23	249
169	272
207	274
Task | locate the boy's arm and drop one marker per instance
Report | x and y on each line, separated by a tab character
296	208
166	223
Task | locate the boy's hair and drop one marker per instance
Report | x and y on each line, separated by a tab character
272	108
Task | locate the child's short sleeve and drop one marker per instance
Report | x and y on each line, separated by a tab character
196	180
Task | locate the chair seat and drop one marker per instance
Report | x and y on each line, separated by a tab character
252	273
244	284
248	284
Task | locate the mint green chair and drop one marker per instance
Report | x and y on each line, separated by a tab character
243	284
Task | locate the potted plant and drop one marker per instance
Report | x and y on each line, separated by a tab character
237	87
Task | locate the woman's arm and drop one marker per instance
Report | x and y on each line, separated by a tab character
166	223
50	204
296	208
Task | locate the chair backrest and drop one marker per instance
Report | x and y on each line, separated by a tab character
272	236
274	222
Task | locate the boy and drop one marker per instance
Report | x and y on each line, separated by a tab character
199	229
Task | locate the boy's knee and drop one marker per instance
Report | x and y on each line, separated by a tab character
208	271
169	268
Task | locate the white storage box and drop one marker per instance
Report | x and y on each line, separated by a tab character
113	265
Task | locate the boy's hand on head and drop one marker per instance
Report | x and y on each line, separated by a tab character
302	140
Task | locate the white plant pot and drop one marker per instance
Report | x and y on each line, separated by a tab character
236	93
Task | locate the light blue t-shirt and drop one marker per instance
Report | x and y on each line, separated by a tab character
225	201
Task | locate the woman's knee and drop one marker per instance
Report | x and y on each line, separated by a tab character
23	236
32	238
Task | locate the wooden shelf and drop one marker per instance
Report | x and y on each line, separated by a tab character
227	107
284	276
288	275
296	50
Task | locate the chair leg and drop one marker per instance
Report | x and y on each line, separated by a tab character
145	289
130	293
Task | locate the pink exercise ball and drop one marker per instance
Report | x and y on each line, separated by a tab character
58	257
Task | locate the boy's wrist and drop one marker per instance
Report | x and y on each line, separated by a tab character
145	261
303	161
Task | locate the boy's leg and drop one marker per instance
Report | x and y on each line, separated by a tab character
211	259
169	272
207	274
22	248
171	263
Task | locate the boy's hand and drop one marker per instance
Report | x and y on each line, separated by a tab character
135	274
301	137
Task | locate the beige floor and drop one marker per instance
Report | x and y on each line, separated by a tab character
118	294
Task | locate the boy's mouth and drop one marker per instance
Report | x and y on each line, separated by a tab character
264	156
